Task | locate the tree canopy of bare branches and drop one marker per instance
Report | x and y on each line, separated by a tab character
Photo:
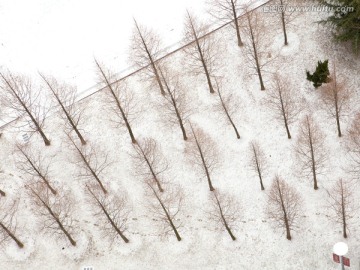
283	102
111	210
203	153
284	205
34	164
254	30
258	162
225	211
145	51
91	162
149	162
165	207
335	96
342	204
121	99
18	94
55	211
227	105
8	224
175	102
310	149
202	51
227	10
65	97
353	147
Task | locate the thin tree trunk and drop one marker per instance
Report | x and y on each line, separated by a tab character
258	69
240	43
338	124
287	129
2	193
313	163
17	241
152	171
343	211
284	26
229	231
258	170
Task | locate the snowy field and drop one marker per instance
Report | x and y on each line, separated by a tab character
205	244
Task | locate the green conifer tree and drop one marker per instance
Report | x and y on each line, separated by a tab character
320	75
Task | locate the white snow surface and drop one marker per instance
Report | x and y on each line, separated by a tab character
205	245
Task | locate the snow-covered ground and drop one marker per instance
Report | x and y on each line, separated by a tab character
205	245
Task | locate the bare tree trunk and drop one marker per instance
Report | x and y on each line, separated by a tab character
258	69
260	176
286	221
200	51
2	193
174	104
313	162
13	237
283	23
240	43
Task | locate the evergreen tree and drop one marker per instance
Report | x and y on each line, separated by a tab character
345	20
320	75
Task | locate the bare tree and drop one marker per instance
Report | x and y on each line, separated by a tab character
145	51
91	162
254	30
36	165
225	211
342	204
227	10
165	208
2	193
310	149
287	15
150	162
175	102
335	96
55	212
203	153
21	98
258	161
202	51
227	105
283	102
121	99
112	211
353	147
8	223
65	96
284	205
